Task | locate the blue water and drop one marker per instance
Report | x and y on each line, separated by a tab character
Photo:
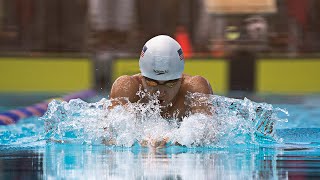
66	143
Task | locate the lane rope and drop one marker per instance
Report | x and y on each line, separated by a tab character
15	115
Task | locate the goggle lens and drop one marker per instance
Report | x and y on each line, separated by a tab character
154	83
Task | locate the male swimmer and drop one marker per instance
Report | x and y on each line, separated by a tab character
161	65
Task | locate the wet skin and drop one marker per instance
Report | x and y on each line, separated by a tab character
172	94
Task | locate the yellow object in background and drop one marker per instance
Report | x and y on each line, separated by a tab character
44	74
62	75
124	67
288	76
215	70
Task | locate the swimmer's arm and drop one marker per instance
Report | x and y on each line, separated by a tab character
124	89
201	85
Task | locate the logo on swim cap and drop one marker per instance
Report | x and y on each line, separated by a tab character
180	54
159	72
144	49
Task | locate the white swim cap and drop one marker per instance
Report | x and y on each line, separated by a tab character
162	59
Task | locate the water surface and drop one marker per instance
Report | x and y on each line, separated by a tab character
70	147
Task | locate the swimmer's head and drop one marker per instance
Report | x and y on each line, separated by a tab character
162	59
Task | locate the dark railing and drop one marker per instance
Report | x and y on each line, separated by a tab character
66	26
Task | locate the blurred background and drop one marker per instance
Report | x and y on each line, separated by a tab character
252	46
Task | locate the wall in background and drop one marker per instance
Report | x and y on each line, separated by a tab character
288	76
56	74
45	74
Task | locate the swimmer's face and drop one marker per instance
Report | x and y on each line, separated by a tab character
167	89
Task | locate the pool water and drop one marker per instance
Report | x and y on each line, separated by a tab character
66	144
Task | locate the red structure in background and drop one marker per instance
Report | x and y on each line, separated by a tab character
299	10
183	39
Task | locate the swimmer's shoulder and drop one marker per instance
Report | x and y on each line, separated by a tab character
196	84
126	86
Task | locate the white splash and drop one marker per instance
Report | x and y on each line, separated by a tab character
233	121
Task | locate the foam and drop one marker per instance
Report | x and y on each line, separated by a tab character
233	121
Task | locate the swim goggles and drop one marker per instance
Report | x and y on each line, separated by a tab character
154	83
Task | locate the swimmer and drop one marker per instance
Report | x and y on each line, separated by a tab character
161	65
